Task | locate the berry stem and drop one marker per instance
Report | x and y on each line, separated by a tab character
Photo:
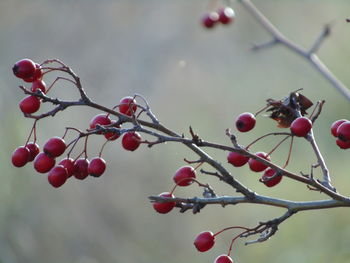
266	135
198	165
234	239
278	144
33	130
289	152
260	111
233	227
103	146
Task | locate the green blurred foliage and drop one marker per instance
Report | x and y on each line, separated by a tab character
190	77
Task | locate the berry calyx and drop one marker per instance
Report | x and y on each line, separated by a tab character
38	84
184	175
245	122
343	131
226	15
68	163
20	156
55	147
96	167
33	149
29	104
257	166
210	19
127	106
131	141
301	126
166	207
335	125
24	68
270	178
57	176
204	241
343	144
237	159
81	168
223	259
43	163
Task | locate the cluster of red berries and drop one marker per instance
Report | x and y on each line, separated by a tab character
341	130
224	15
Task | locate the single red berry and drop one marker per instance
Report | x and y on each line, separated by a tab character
237	159
301	126
33	149
81	168
55	146
184	175
131	141
57	176
343	144
29	104
20	156
210	19
204	241
223	259
268	181
166	207
343	131
43	163
127	106
245	122
335	126
68	163
101	119
38	84
257	166
37	75
226	15
24	68
96	167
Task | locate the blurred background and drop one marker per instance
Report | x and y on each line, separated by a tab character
190	76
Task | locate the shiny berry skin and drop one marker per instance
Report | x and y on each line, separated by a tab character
43	163
226	15
257	166
237	159
127	106
343	144
55	147
38	84
343	131
131	141
223	259
24	68
20	156
210	19
245	122
81	168
164	208
68	163
335	126
301	126
270	182
96	167
33	149
29	104
101	119
37	75
57	176
204	241
184	175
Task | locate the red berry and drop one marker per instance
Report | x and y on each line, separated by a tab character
30	104
57	176
37	75
55	147
68	163
20	156
257	166
33	149
24	68
38	84
131	141
43	163
343	131
166	207
301	126
343	144
223	259
335	126
226	15
101	119
210	19
237	159
81	168
96	167
245	122
184	175
127	106
204	241
271	182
